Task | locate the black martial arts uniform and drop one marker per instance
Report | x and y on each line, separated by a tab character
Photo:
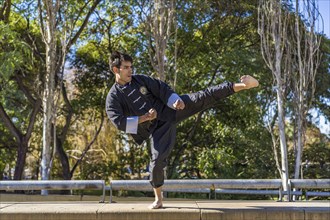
125	103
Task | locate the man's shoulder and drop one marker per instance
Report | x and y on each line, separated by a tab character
142	77
113	88
113	92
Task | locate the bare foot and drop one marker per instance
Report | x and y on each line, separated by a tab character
156	205
249	81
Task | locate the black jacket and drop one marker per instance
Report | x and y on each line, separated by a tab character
155	92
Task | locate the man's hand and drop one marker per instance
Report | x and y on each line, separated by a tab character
149	116
179	104
152	114
249	81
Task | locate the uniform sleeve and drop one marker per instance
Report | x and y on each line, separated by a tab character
132	123
116	115
172	99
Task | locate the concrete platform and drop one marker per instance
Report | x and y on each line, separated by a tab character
125	209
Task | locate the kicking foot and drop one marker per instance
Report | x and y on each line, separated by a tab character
249	81
156	205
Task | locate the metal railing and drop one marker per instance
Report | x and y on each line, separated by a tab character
54	185
311	184
308	194
225	186
220	186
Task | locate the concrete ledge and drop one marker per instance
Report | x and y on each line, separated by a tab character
266	210
173	210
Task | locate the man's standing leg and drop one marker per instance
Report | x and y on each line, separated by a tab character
162	142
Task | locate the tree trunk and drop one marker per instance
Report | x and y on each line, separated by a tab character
48	106
60	140
270	128
65	164
299	95
49	88
300	141
21	140
160	30
21	158
64	160
281	111
281	127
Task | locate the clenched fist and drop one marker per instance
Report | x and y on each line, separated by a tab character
179	104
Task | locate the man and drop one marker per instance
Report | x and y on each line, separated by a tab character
148	108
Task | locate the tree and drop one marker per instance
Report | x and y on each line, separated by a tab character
216	42
272	28
21	139
17	59
53	18
48	11
307	57
159	31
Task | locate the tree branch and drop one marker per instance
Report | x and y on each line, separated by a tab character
74	39
88	146
5	11
42	28
69	115
33	116
23	88
10	125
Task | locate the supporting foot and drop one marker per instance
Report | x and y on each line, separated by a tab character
156	205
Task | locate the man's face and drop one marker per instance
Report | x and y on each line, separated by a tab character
124	73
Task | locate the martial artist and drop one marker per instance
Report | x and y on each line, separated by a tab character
145	108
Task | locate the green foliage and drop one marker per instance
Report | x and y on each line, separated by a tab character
19	69
316	161
7	150
215	41
17	63
214	163
14	52
322	80
221	44
316	157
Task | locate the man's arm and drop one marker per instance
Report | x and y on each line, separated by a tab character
133	121
247	82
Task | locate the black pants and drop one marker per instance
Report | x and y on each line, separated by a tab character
163	137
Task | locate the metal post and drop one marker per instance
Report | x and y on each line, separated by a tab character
289	190
110	201
280	193
103	193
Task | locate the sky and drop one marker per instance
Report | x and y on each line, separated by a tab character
324	8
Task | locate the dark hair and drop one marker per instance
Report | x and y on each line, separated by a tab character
117	57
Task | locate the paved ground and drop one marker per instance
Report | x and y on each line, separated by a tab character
32	207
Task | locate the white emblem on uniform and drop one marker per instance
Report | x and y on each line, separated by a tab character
143	90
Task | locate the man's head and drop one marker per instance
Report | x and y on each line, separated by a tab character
121	67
